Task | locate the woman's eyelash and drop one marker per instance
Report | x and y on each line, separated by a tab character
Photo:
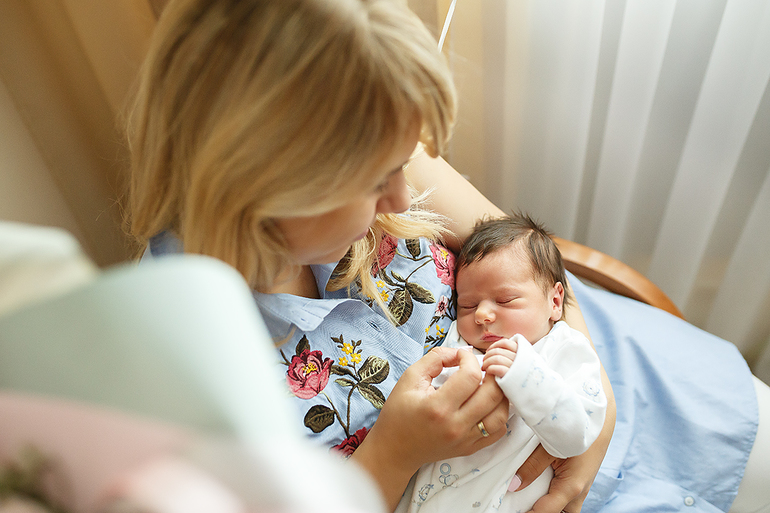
387	179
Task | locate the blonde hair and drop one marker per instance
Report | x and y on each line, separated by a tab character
251	110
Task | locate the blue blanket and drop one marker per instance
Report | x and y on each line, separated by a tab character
686	410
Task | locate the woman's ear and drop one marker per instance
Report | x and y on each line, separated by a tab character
556	298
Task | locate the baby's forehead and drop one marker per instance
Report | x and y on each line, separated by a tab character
501	263
512	256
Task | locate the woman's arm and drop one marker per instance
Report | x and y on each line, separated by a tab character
452	195
458	200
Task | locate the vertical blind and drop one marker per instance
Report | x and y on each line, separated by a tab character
640	128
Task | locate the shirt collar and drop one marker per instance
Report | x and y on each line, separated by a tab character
281	311
322	275
285	310
164	243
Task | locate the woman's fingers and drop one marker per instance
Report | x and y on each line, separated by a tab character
494	423
570	484
431	365
554	502
566	492
531	469
466	399
487	403
465	382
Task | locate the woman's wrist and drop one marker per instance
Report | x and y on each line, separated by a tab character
390	472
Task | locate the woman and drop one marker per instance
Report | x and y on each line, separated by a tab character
279	136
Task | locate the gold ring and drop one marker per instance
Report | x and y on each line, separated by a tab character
483	430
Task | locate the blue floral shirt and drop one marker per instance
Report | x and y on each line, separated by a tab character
342	355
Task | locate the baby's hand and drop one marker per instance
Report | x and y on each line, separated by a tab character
499	357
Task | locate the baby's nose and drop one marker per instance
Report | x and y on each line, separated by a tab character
485	314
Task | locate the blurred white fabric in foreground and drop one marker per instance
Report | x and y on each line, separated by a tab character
171	356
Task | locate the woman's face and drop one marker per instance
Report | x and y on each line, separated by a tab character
326	238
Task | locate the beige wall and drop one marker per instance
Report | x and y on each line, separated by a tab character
28	191
66	67
467	148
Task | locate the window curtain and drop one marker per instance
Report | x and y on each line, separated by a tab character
640	128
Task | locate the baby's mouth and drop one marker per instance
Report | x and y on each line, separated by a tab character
490	337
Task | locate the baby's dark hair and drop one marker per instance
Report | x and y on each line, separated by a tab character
490	235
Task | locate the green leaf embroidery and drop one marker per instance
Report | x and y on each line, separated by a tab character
302	345
401	306
374	370
344	382
372	394
384	275
342	371
420	294
319	417
397	276
413	245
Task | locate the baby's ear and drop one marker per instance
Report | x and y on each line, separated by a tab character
556	298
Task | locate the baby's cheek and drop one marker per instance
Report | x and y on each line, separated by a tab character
465	325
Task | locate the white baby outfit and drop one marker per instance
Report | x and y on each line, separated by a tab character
557	400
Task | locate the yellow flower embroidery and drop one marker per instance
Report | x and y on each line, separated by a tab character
380	284
343	361
355	358
347	348
384	295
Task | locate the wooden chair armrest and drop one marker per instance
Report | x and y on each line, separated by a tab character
613	275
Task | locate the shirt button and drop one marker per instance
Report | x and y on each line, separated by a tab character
689	501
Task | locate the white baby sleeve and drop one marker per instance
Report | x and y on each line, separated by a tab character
556	388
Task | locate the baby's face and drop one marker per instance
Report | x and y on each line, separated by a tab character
498	297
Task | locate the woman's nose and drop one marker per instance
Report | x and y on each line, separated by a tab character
396	197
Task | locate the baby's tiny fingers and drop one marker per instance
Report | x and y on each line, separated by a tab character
497	359
496	370
504	343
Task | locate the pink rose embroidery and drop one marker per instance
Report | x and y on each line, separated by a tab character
308	373
350	444
445	264
442	306
385	253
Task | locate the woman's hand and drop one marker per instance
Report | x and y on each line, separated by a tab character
571	481
421	424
